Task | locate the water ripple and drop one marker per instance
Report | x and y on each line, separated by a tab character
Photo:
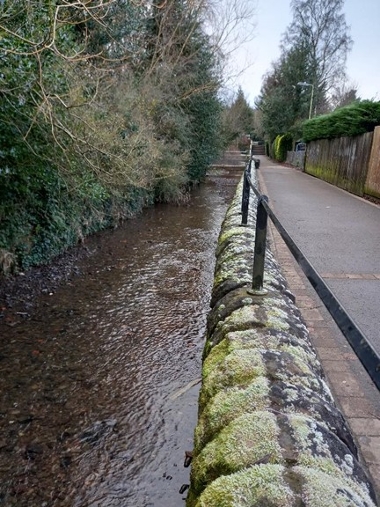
99	390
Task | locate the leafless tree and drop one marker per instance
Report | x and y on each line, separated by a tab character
319	26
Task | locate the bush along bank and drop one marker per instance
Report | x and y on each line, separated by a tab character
41	216
268	432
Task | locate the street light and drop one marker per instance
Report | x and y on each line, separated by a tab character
311	96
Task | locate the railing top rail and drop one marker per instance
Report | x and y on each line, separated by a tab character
356	338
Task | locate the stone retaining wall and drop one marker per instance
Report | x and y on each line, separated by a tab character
268	433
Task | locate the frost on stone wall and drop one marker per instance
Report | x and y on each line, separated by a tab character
268	433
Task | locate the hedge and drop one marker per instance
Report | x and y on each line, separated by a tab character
352	120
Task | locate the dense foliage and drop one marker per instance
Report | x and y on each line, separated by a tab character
281	145
237	119
104	107
351	120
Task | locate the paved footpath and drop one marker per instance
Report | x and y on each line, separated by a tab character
340	235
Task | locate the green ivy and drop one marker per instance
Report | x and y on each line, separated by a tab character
87	141
41	216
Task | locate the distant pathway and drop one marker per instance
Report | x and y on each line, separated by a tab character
231	158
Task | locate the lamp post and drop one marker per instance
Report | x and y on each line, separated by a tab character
311	96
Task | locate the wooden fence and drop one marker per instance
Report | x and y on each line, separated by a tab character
372	185
296	158
344	162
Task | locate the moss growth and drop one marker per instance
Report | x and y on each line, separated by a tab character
258	486
268	485
246	440
242	247
234	231
214	359
207	349
251	339
329	174
230	359
221	371
229	404
245	339
368	190
236	269
262	387
246	317
236	298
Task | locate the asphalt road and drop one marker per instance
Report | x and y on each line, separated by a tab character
340	235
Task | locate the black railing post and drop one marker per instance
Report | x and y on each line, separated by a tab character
245	196
260	246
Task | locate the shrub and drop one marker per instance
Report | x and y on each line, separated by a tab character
282	144
352	120
99	116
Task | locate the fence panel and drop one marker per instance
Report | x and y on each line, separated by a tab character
342	161
295	158
372	185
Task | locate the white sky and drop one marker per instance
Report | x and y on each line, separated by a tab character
272	19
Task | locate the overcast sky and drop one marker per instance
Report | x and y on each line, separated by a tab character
272	19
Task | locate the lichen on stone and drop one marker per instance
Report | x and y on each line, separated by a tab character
251	339
242	248
234	231
305	355
248	317
327	490
276	320
268	433
236	269
244	318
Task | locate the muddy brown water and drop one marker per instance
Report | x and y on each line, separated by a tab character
99	383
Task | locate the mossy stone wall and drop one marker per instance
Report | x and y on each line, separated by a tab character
268	433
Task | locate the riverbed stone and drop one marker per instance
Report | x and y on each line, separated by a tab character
268	433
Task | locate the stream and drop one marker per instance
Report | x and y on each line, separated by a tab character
99	383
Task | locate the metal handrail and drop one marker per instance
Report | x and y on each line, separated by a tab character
355	337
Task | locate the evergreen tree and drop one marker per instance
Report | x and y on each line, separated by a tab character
238	118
